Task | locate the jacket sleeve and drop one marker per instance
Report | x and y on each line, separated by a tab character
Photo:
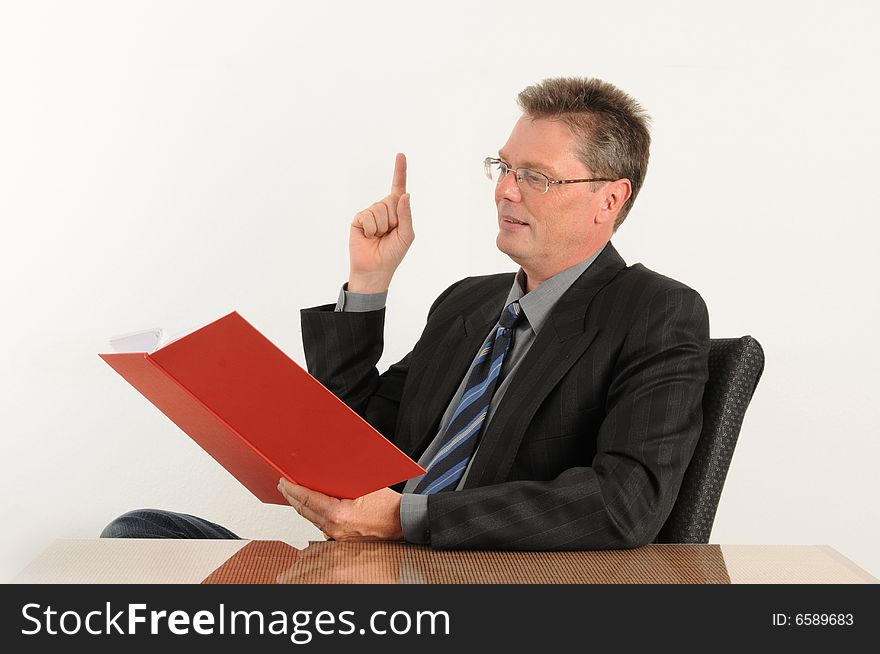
645	442
342	350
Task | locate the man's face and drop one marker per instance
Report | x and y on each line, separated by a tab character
559	229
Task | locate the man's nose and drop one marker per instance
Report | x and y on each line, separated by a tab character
508	188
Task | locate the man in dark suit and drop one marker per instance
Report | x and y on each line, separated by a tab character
557	408
554	408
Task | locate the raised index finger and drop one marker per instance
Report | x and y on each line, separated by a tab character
398	183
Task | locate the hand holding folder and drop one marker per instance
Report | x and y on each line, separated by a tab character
259	414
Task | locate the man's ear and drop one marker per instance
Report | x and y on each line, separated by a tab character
614	196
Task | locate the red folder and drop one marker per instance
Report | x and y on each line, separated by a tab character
261	416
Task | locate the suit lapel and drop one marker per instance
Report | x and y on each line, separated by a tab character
561	342
456	349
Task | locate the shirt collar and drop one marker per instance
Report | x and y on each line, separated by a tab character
536	305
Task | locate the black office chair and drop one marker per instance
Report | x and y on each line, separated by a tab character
735	366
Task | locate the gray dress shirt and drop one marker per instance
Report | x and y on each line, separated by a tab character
536	306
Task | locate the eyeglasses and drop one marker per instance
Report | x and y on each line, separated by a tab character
497	170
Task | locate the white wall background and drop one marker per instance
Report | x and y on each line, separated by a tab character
164	162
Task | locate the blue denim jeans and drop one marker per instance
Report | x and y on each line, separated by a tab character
154	523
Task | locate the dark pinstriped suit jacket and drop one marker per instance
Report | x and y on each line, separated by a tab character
588	446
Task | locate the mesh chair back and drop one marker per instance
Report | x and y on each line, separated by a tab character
735	366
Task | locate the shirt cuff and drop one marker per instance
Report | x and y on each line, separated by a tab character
359	301
414	518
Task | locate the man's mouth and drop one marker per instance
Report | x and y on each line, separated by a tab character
508	219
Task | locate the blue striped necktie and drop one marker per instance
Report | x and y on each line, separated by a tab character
463	432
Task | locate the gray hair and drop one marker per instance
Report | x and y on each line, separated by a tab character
611	127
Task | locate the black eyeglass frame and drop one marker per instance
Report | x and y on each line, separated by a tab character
488	162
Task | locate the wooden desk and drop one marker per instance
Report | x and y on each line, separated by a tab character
195	561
